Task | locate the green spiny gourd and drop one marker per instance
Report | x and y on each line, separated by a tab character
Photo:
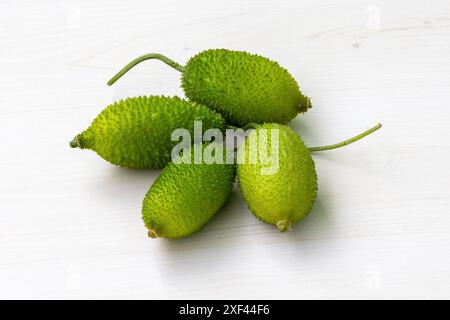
136	132
284	195
186	196
243	87
276	173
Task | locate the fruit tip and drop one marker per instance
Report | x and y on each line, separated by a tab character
302	108
284	225
75	143
152	234
308	103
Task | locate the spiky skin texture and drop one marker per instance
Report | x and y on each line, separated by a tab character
286	197
185	197
243	87
136	132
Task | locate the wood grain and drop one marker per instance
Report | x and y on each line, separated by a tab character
70	223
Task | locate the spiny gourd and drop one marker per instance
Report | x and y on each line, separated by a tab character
136	132
284	195
276	173
186	196
243	87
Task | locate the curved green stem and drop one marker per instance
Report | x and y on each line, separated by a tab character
144	57
346	142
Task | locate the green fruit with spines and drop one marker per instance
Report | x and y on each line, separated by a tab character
287	195
185	197
243	87
136	132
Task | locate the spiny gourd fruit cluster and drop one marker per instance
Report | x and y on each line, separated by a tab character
225	89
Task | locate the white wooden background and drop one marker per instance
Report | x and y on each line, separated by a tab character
70	223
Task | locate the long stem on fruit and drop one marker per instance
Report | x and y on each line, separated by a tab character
144	57
346	142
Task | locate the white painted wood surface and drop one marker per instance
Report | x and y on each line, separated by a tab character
70	223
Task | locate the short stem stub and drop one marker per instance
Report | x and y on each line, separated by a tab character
346	142
284	225
152	234
75	143
302	108
144	57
